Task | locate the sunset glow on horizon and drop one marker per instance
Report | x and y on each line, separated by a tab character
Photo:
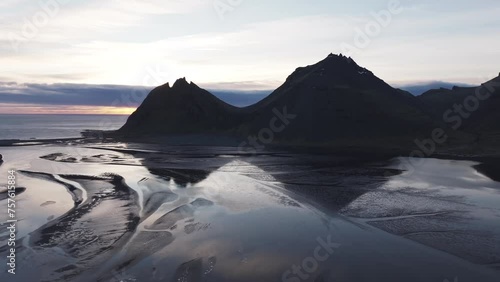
64	110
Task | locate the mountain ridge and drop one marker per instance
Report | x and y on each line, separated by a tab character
335	101
469	109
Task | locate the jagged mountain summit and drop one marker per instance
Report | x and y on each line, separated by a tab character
183	108
334	102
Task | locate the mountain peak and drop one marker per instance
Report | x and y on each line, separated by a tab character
340	61
339	56
333	70
181	83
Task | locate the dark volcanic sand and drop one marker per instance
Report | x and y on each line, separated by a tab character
211	214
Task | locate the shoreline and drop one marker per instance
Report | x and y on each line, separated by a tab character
187	141
34	142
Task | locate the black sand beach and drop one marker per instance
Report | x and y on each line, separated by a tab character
139	212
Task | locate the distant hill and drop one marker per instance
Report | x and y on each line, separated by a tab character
418	89
475	110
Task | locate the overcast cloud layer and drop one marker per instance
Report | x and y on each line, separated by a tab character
213	41
100	95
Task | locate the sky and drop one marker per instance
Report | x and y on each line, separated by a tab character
231	45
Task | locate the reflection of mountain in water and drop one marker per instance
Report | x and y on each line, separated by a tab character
332	181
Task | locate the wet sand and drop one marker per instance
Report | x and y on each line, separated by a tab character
133	212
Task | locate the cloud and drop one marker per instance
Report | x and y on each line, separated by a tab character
231	56
33	96
243	86
114	42
72	94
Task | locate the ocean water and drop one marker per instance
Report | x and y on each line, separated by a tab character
55	126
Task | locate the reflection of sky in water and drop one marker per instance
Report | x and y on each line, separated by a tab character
31	214
250	224
441	203
35	205
450	178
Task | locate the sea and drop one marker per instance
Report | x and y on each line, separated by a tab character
26	127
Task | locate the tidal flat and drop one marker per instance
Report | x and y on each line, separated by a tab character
135	212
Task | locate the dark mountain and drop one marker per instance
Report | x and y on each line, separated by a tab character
471	109
332	103
418	89
183	108
338	102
